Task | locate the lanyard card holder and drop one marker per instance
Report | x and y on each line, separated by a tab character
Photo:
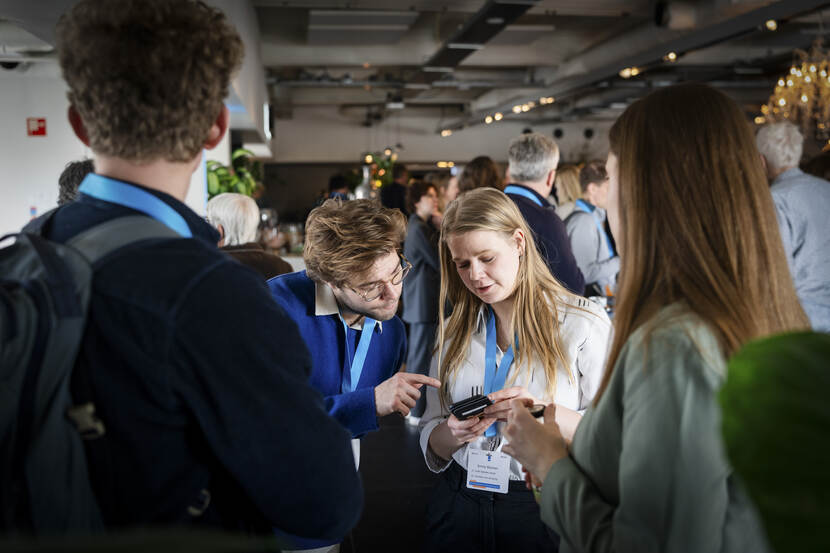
470	407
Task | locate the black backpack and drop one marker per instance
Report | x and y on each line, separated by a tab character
44	294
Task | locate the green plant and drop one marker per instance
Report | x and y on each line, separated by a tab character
243	176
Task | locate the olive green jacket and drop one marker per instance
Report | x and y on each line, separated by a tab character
647	470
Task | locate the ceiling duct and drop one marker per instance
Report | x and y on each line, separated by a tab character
358	27
479	29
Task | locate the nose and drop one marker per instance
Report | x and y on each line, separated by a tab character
476	271
391	290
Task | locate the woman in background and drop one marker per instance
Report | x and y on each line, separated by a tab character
481	172
646	470
567	189
514	332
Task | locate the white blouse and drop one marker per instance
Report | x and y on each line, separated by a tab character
585	338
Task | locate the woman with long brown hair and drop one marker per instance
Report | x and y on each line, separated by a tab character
514	331
703	272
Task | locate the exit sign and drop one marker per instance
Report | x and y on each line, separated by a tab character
36	126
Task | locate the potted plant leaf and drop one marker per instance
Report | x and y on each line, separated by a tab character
242	176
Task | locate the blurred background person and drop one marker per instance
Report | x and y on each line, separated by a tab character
479	173
566	185
647	470
590	242
236	217
802	202
393	195
447	186
338	187
420	289
71	177
532	160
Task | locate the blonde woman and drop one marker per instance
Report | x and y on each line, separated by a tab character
567	189
647	470
514	332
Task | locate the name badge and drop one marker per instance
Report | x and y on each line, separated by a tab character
488	471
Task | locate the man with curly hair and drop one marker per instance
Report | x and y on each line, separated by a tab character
209	418
345	304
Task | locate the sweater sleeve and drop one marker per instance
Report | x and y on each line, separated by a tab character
265	425
355	410
673	489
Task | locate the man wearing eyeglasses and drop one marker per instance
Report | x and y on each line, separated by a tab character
345	304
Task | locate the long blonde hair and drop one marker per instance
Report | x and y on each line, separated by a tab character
538	295
697	221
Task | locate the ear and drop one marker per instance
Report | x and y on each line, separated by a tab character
551	178
218	129
77	125
221	230
763	162
519	239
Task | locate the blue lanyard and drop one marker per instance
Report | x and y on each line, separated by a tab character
355	364
121	193
583	206
494	377
519	191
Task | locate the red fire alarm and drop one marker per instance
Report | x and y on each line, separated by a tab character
36	126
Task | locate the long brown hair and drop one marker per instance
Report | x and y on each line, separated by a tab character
538	295
697	221
479	173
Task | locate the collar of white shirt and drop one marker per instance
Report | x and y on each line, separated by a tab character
326	304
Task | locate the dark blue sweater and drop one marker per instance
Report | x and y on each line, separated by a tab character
324	337
201	380
551	239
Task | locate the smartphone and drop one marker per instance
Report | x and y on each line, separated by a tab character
537	410
470	407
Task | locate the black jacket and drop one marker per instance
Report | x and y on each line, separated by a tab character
201	381
552	239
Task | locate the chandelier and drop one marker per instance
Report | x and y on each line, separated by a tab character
802	96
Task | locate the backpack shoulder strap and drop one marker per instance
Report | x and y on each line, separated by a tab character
99	241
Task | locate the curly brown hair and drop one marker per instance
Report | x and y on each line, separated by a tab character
147	77
344	239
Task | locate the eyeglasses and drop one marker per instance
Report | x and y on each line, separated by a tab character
371	292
